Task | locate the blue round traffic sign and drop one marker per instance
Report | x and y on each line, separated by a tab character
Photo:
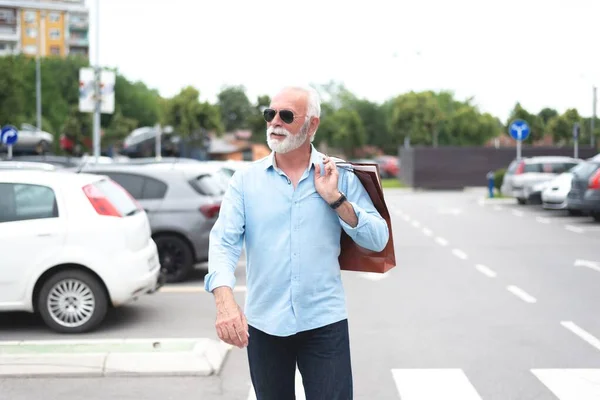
519	129
9	135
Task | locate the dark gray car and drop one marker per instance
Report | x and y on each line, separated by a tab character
182	202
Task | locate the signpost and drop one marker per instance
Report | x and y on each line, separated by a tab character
9	136
576	132
519	130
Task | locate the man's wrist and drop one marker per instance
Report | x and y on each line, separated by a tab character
332	198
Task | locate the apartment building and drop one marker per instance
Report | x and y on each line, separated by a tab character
52	27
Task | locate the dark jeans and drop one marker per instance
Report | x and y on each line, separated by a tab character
322	355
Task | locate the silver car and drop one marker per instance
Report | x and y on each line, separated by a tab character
182	202
32	139
525	179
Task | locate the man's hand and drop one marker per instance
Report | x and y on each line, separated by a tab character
231	324
327	184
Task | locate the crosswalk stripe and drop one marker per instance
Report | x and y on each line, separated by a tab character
427	384
299	388
571	384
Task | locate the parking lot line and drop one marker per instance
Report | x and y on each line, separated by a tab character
486	271
518	213
588	264
427	232
543	220
575	229
441	241
416	224
520	293
583	334
460	254
192	289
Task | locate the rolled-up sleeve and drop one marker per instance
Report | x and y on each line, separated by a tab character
226	237
372	231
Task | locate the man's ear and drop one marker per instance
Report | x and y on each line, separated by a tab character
314	124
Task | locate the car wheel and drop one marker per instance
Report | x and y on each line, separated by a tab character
522	201
574	213
176	257
42	147
72	301
596	216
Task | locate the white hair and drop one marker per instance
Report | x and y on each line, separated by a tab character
314	100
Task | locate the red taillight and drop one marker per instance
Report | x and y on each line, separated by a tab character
101	204
520	168
210	210
594	182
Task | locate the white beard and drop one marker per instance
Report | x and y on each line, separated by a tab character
289	143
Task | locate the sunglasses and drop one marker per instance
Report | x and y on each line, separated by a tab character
286	116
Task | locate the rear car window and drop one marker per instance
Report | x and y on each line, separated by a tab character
22	202
585	170
533	167
207	185
117	196
512	167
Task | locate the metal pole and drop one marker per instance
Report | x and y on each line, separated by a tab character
10	151
97	87
576	149
518	149
38	75
158	144
592	136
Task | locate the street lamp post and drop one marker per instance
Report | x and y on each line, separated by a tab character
38	68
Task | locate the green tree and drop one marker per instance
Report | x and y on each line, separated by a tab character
235	108
536	123
187	115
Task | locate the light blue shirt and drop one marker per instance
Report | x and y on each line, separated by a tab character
292	240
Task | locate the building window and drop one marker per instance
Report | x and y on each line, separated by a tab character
54	34
31	32
30	16
54	17
55	50
30	49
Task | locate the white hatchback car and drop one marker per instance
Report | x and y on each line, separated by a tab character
71	246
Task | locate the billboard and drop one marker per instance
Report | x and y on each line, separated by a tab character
86	91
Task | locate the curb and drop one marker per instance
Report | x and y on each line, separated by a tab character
502	200
113	358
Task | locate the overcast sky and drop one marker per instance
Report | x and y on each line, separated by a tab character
543	53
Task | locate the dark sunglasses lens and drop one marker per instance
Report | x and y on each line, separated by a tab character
269	114
286	116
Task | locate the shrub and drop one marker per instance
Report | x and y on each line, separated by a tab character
499	178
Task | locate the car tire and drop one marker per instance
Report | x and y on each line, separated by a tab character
596	216
574	213
521	201
176	257
79	288
42	147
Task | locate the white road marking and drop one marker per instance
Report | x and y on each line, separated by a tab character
583	334
397	212
481	201
575	229
192	289
460	254
406	218
486	271
299	388
452	211
543	220
430	384
441	241
571	384
518	213
498	208
427	232
372	276
416	224
588	264
520	293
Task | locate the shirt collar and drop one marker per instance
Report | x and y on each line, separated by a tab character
315	158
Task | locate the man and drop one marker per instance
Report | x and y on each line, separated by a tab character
290	208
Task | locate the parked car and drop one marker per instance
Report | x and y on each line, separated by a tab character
58	161
525	179
27	165
72	245
389	166
554	195
584	195
182	202
32	140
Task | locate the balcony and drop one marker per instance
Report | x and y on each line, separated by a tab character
9	34
79	42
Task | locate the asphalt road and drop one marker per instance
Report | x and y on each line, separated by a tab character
488	301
